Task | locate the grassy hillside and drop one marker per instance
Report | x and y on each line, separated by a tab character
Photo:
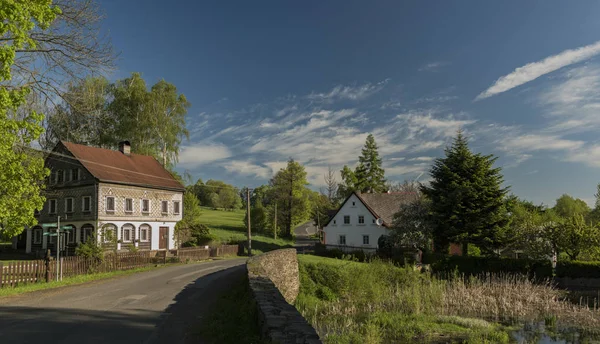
229	227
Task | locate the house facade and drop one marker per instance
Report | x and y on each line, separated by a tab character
362	219
115	197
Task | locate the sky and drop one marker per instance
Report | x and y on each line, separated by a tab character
309	80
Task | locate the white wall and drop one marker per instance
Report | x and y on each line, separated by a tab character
155	231
354	231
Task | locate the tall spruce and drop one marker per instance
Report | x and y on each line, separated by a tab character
368	176
467	200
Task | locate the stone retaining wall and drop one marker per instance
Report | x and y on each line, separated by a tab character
275	283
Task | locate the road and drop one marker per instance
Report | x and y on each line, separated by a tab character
158	306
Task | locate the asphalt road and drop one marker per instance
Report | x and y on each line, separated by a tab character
158	306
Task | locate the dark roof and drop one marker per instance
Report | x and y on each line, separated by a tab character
381	205
113	166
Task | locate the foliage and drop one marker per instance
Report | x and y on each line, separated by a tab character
23	172
191	212
476	266
575	236
291	194
467	200
90	249
321	208
258	219
200	235
578	269
413	224
217	194
368	176
567	207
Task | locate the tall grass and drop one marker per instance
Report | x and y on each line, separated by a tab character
378	302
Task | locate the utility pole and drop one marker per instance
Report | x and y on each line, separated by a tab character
275	222
249	228
57	246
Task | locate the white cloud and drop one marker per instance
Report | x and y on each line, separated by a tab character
534	70
536	142
422	158
192	156
249	168
432	66
396	171
349	92
437	99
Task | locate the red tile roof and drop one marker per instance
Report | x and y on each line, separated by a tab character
113	166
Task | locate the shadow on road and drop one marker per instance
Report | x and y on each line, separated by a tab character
68	325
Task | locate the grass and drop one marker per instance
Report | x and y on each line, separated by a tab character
229	227
80	279
234	316
350	302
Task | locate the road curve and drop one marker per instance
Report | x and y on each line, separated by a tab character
157	306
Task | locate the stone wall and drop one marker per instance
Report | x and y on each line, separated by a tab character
275	283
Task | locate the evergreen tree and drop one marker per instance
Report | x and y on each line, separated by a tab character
468	202
368	176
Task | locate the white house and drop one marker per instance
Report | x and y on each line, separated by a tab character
355	225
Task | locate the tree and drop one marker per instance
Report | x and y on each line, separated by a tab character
289	191
567	207
215	200
467	199
575	236
370	176
349	183
331	186
258	219
229	199
70	47
320	208
22	172
412	225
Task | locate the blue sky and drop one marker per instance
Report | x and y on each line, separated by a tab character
269	80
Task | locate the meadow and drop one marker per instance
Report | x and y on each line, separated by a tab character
229	227
377	302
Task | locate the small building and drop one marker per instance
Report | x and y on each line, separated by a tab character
118	198
362	219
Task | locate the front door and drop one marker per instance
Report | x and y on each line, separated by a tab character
163	239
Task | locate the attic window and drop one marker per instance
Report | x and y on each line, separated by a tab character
334	222
353	204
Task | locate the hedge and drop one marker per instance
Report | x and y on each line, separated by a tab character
483	265
576	269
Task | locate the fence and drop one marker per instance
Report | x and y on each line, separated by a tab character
43	270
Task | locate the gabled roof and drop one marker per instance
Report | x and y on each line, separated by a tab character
113	166
381	205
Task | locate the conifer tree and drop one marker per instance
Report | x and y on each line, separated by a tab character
467	199
368	176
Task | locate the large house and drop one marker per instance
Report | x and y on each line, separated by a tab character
119	198
362	219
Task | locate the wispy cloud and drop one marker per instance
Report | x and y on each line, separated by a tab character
534	70
249	168
342	92
196	155
432	66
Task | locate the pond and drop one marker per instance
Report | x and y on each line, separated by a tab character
541	333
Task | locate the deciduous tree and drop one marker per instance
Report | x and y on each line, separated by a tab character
290	192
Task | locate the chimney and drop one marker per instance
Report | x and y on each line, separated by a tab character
125	147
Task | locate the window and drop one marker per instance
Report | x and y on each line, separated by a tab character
53	178
51	206
52	238
165	207
110	204
75	174
365	240
145	206
128	205
86	204
69	205
342	240
144	233
68	176
37	236
59	176
109	233
128	233
373	220
87	233
361	220
346	219
70	233
176	205
353	204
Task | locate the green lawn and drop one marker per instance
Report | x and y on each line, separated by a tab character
228	226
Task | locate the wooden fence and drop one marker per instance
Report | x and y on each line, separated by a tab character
42	270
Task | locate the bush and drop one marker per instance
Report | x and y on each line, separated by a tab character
200	235
89	249
473	266
578	269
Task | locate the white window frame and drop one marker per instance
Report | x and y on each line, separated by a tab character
162	207
347	217
50	201
67	211
37	232
145	228
142	206
176	209
340	239
366	236
361	218
131	202
83	209
130	229
106	204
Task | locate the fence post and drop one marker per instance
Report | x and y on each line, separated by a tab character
47	260
1	273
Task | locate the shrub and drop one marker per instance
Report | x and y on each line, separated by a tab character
578	269
200	235
473	266
89	249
